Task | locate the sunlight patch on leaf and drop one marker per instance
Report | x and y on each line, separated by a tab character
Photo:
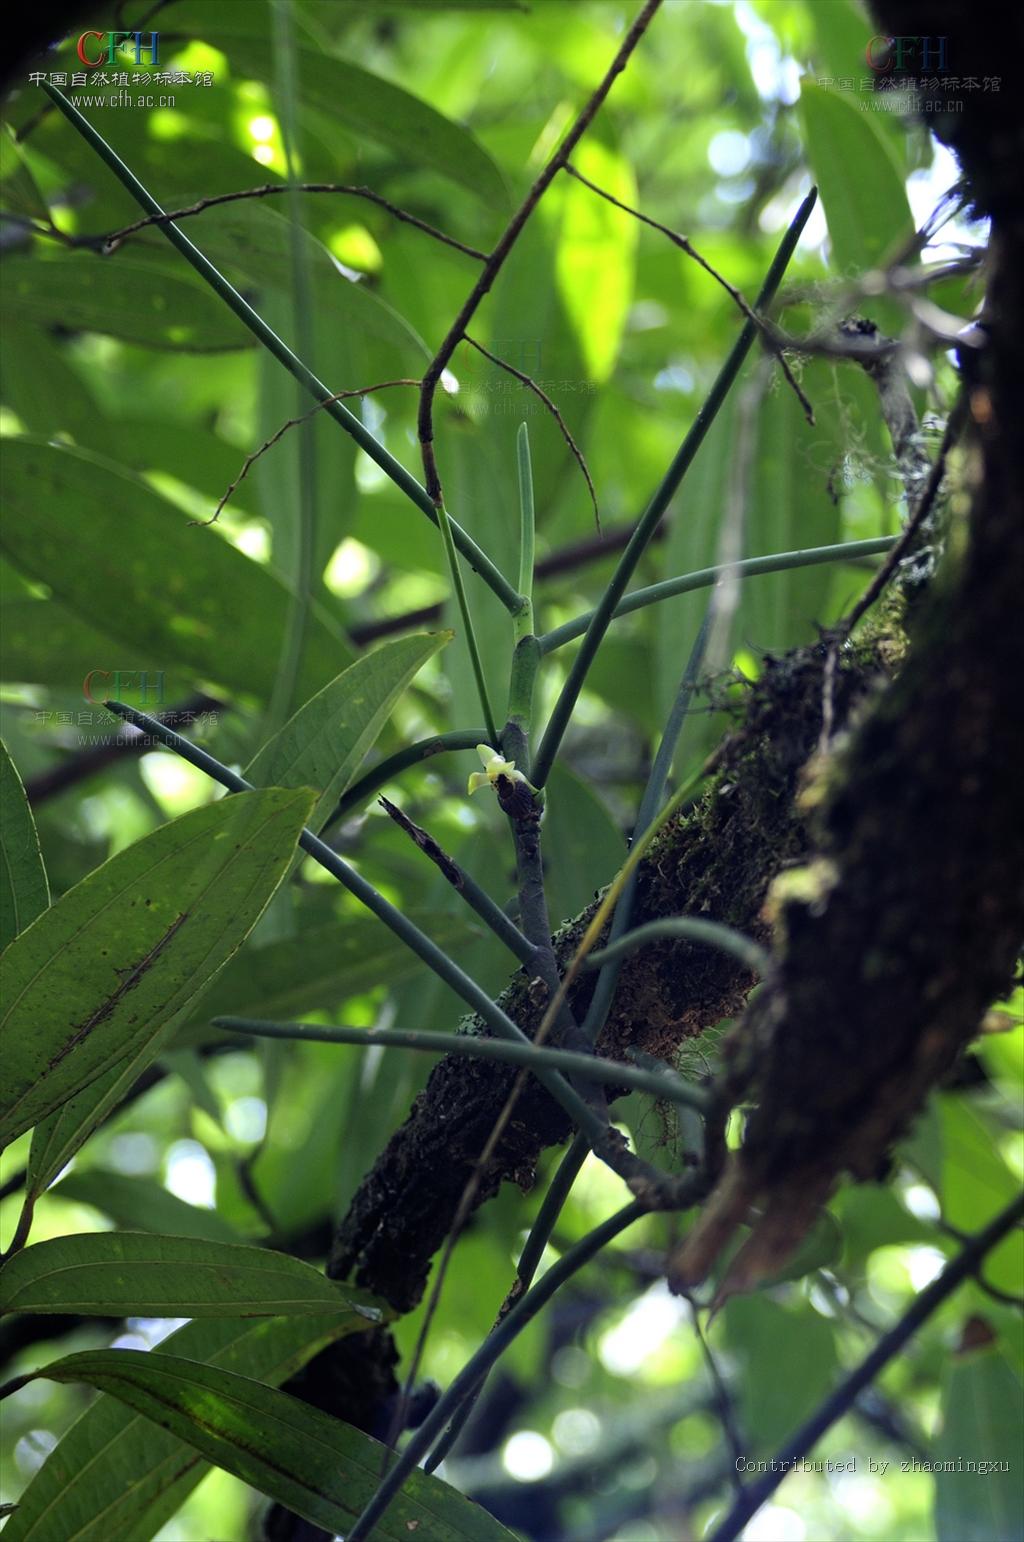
596	256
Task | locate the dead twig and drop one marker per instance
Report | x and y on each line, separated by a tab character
773	338
251	460
549	404
477	898
111	242
507	240
914	523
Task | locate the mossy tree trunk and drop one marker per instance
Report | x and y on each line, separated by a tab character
913	915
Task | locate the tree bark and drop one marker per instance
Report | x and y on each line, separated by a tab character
910	919
716	863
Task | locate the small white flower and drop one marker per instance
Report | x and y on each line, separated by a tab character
495	765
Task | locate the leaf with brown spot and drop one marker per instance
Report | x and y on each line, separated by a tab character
95	978
317	1466
114	1474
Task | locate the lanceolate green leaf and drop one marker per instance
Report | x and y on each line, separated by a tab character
596	255
56	1138
324	743
354	98
691	544
976	1180
337	354
24	892
794	503
317	1466
821	1248
47	644
479	483
115	1474
39	380
107	1274
861	187
581	843
767	1340
981	1409
96	977
123	559
844	47
376	109
17	185
250	241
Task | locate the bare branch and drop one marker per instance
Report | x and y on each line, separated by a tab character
894	281
508	239
684	245
887	1348
674	236
250	460
549	404
111	242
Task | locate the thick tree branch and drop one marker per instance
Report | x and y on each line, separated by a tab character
716	863
908	921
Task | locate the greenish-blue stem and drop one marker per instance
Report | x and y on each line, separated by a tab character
650	803
754	1494
489	1352
515	741
459	590
661	1084
524	621
477	559
663	496
703	578
283	695
693	929
434	957
411	755
529	1259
